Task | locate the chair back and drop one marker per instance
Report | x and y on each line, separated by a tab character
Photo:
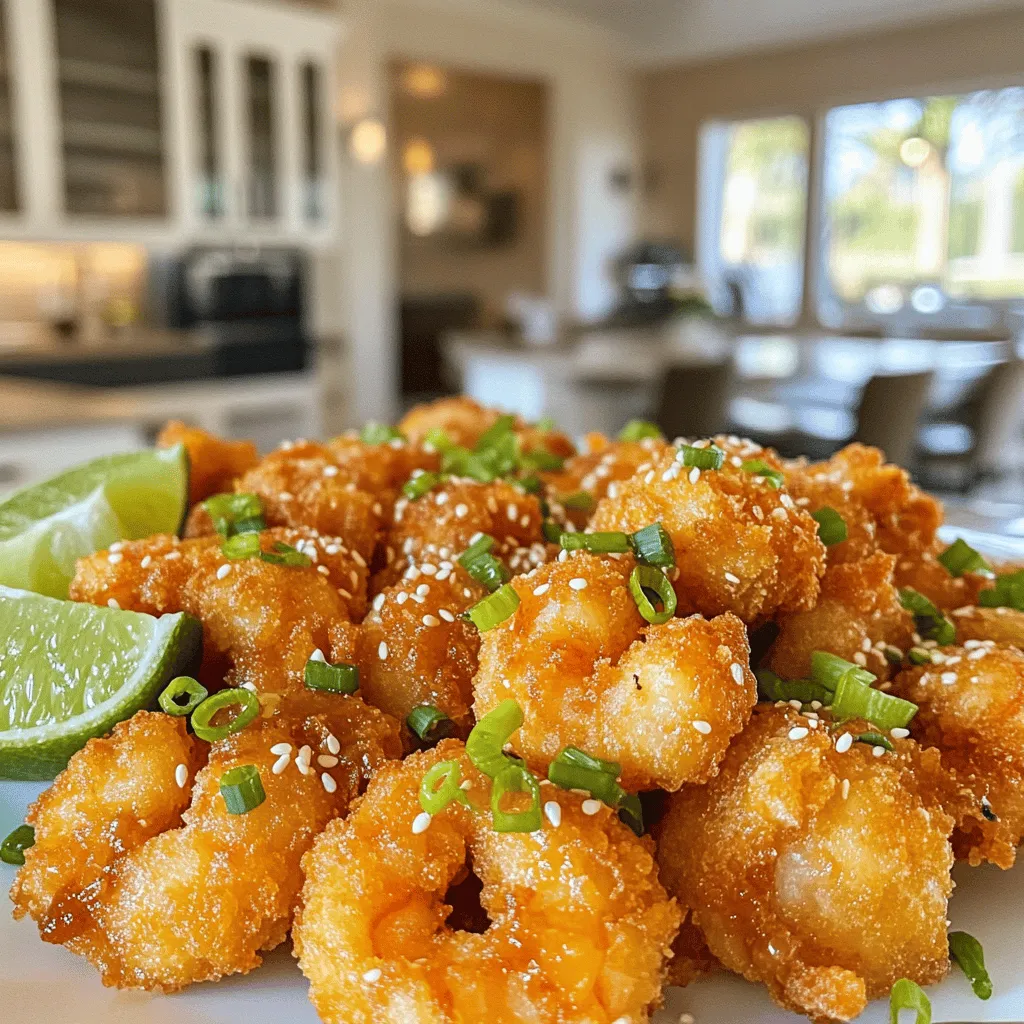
999	435
890	412
694	399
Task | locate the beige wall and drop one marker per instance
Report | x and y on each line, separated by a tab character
500	123
955	55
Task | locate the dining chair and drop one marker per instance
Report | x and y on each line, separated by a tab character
694	399
889	413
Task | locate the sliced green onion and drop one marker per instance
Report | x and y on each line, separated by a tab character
774	688
515	779
552	531
428	722
581	501
437	439
340	678
960	558
285	554
380	433
546	424
758	467
485	744
638	430
531	484
484	567
242	789
929	621
1008	592
653	546
829	669
576	769
12	849
496	433
645	579
908	995
875	739
598	543
242	545
416	486
494	609
239	697
542	460
966	950
831	526
182	696
711	457
856	699
893	655
919	656
435	798
231	512
631	813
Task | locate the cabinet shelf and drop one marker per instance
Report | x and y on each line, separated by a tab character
123	139
95	75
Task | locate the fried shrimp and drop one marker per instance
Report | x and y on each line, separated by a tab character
578	925
664	701
858	617
1003	625
213	462
139	867
261	621
822	874
922	571
741	545
414	648
972	709
302	485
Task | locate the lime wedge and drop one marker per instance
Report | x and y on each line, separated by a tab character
71	671
46	527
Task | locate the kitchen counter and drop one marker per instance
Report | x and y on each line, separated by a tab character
34	405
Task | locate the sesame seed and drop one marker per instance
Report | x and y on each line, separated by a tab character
333	745
281	748
737	672
466	784
431	620
446	615
358	559
172	556
422	590
694	474
223	570
323	570
317	655
303	767
949	678
798	732
899	733
420	823
332	549
590	807
860	658
378	602
704	728
402	597
878	751
541	590
846	788
114	558
461	510
553	812
372	975
795	705
281	763
382	651
330	470
844	743
181	776
145	562
328	783
428	569
578	583
732	577
327	761
112	603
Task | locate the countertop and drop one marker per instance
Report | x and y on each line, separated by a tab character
40	343
37	405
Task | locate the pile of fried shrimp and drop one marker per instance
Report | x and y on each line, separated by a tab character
529	733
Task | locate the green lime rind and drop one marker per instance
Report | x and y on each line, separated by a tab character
72	671
45	528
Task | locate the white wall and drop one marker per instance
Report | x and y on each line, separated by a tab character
593	128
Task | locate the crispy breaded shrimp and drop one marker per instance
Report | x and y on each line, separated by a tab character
1003	625
157	893
881	507
213	462
663	701
414	648
578	924
823	874
922	571
380	469
741	546
972	709
857	617
691	958
261	621
302	485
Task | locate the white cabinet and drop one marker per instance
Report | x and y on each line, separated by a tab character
183	120
257	155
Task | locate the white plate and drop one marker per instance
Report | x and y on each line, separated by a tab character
44	984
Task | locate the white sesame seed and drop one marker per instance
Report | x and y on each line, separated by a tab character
328	783
553	812
330	470
115	558
949	678
378	602
878	751
420	823
844	743
845	788
317	655
704	728
798	732
402	597
323	570
737	672
112	603
382	651
372	975
145	562
281	748
732	577
332	743
247	686
899	734
590	807
431	620
223	570
172	556
860	658
512	512
422	590
461	510
327	761
578	583
446	615
795	705
541	590
181	776
466	784
281	763
694	474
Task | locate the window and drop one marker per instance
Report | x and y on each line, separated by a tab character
754	217
924	209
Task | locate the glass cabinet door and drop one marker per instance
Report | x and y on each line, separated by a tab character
110	110
209	113
262	174
311	85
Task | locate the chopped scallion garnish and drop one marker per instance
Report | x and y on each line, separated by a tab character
428	722
235	513
242	789
551	530
875	739
515	778
541	460
966	950
711	457
960	558
423	483
758	467
12	849
1008	592
485	744
653	546
484	567
774	688
575	769
919	656
581	501
340	678
248	707
854	696
598	543
494	609
928	620
546	424
639	430
831	526
648	585
437	439
182	696
435	798
908	995
380	433
242	545
285	554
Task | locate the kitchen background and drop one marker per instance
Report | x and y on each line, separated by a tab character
801	221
